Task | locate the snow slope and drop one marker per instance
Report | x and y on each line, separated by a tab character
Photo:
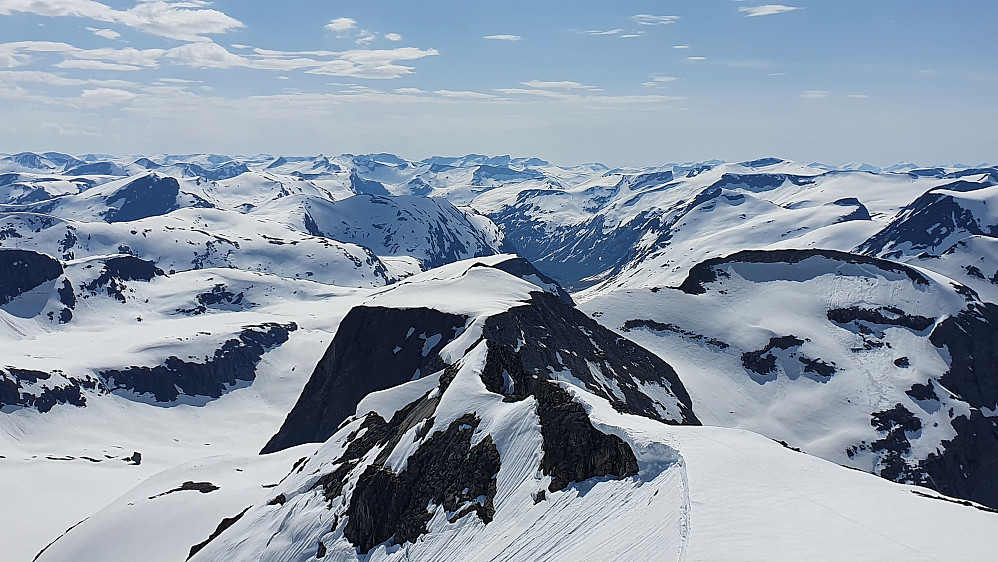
863	362
485	465
197	309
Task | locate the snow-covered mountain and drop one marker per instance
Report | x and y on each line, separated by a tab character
420	394
501	455
864	362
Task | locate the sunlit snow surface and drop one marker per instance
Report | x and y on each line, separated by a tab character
304	240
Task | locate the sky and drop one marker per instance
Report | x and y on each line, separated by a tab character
626	83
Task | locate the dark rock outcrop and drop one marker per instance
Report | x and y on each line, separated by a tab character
926	224
374	349
42	391
552	336
24	270
709	270
763	361
189	486
362	186
760	182
965	466
882	316
144	197
895	423
657	326
222	526
117	271
234	362
445	471
574	450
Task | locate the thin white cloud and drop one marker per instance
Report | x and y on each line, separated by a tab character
632	35
777	73
540	93
393	37
186	20
680	46
607	32
464	94
588	100
206	55
696	59
374	63
503	37
645	19
12	54
658	81
71	131
106	96
858	96
360	63
408	91
366	37
766	10
559	85
96	65
339	25
815	94
39	77
105	33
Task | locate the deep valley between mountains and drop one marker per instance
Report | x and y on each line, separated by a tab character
215	358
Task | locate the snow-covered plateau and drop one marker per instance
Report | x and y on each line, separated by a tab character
363	357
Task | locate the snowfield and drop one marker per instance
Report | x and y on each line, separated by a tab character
362	357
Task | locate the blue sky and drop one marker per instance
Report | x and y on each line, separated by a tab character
625	83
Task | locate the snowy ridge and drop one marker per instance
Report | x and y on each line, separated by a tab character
480	461
419	394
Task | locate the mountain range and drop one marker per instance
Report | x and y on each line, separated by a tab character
363	357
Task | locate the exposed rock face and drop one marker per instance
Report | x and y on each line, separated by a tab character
117	271
235	361
552	337
553	248
42	391
145	197
929	223
574	451
967	465
24	270
761	182
374	349
446	470
222	526
656	326
378	348
883	316
708	271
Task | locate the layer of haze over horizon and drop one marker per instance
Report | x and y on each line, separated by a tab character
623	83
